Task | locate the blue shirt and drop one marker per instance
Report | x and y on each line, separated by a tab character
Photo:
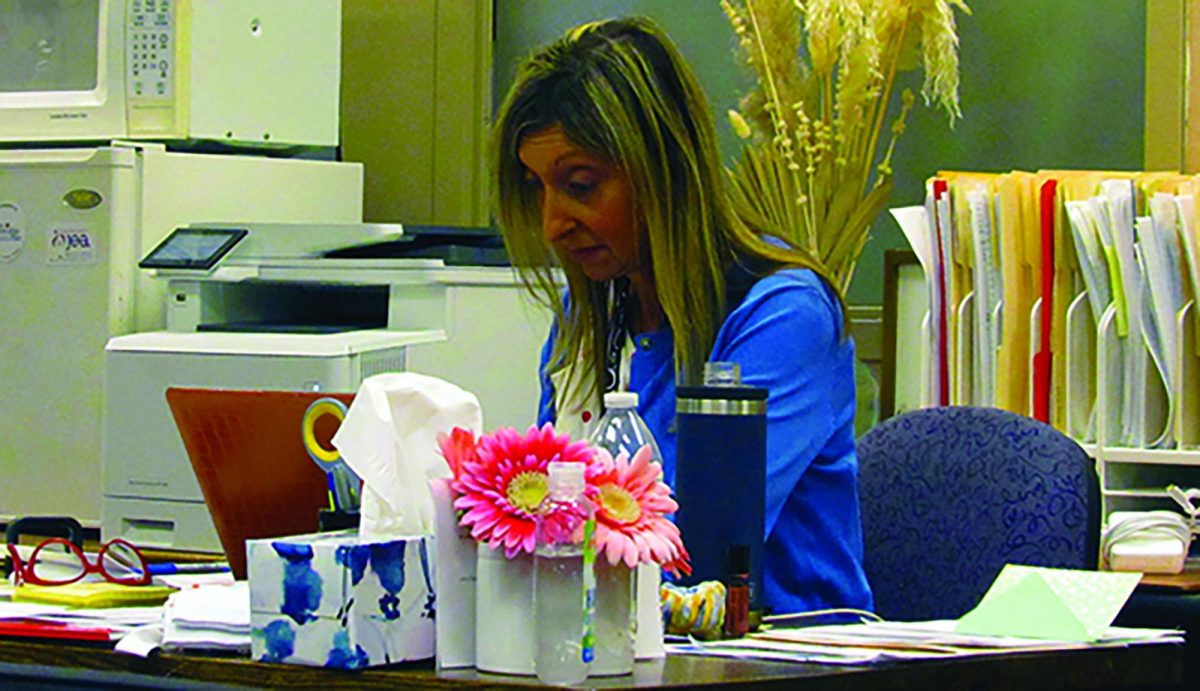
786	335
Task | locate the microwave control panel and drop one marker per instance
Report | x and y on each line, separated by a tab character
150	50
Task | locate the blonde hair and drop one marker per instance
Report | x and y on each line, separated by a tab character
620	90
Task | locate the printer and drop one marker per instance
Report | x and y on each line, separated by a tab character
312	307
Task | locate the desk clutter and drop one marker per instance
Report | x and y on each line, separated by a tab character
1027	609
365	597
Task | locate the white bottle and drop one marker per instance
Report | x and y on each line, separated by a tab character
622	430
564	583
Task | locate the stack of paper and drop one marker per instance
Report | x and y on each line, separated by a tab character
204	617
215	617
39	620
849	644
1027	609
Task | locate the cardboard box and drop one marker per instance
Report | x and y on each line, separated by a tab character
327	600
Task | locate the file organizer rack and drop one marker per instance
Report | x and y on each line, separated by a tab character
1080	390
1106	390
1132	478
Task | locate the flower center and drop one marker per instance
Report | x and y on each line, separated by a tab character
619	504
526	490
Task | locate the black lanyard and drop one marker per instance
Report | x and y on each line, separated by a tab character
618	334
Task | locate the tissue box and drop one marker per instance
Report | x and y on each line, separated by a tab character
328	600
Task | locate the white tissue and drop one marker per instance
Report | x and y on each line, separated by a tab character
389	439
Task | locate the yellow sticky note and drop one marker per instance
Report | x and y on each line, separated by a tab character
100	594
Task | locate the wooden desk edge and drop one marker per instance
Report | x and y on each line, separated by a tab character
1153	665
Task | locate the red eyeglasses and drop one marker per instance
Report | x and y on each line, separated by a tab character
118	561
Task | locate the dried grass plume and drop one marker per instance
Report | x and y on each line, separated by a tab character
812	169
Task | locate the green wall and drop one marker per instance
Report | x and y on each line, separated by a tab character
1044	84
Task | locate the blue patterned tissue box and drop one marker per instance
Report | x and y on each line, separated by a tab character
327	600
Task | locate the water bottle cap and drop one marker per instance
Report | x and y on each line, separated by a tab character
620	399
566	476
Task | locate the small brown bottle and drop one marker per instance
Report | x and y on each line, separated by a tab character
737	592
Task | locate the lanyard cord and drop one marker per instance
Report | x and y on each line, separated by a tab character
618	333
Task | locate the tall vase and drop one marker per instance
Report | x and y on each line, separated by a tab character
505	627
615	620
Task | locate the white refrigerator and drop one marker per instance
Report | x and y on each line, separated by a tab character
73	224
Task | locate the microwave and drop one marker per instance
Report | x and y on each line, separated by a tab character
250	73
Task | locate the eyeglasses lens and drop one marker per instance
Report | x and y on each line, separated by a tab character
122	563
53	563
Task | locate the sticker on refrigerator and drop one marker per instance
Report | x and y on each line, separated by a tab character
12	235
71	246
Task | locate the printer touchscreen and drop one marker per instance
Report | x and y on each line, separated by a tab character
192	248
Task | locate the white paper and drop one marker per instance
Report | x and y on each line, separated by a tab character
214	617
184	581
141	641
1092	265
920	640
1163	294
222	607
21	610
915	222
988	293
1119	194
112	617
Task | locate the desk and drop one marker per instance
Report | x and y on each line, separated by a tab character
1147	666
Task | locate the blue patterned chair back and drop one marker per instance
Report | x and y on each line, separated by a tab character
950	495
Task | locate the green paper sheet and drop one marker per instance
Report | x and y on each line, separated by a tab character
1057	604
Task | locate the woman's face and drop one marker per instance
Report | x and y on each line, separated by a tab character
586	203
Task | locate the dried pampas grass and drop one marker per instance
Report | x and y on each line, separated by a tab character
811	169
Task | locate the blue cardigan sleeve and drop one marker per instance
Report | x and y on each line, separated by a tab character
787	336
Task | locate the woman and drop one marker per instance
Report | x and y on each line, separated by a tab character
607	168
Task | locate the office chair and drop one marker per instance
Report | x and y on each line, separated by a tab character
950	495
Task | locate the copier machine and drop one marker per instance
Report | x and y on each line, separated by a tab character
304	307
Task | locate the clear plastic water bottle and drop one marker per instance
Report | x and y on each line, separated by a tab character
621	429
632	627
564	582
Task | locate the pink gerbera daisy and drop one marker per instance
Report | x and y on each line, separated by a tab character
458	448
501	486
631	509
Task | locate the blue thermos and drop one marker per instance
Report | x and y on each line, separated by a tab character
720	479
